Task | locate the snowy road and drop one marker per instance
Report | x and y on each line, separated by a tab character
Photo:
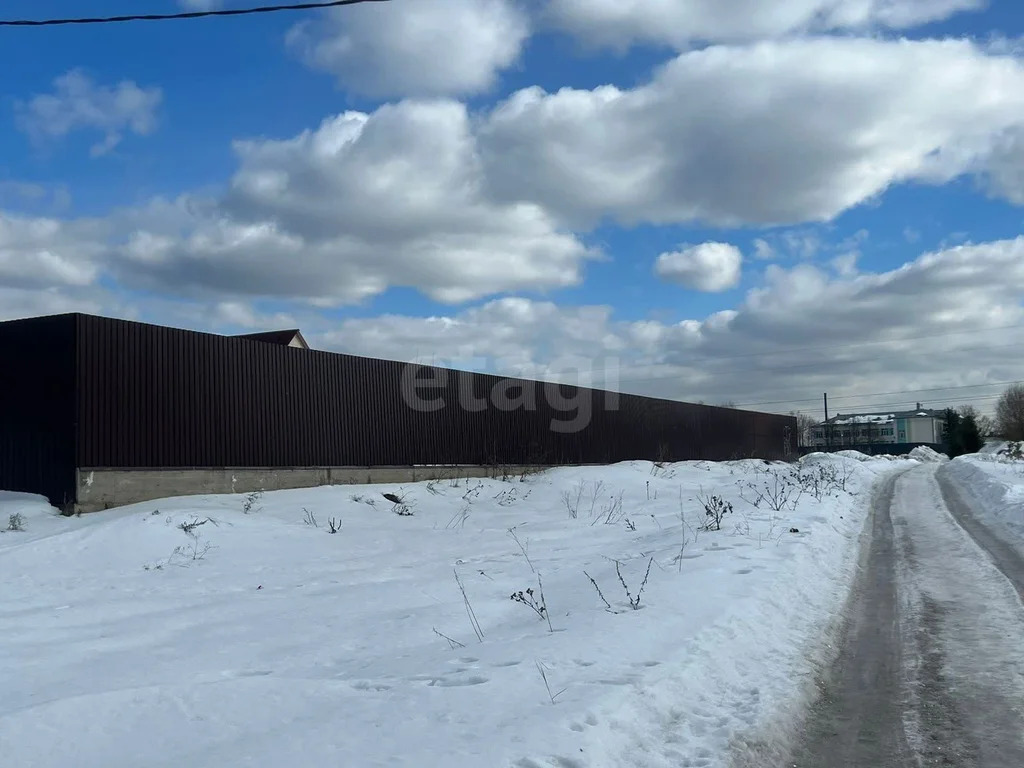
931	669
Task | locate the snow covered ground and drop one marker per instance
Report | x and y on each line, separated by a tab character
993	484
261	639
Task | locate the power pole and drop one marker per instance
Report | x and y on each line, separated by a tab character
828	427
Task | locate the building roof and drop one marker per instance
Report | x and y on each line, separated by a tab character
881	417
284	338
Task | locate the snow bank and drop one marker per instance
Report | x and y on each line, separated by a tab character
859	456
926	455
994	446
994	487
263	640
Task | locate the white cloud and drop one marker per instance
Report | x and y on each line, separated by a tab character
47	253
200	5
680	23
772	133
711	267
342	213
764	250
78	103
846	264
421	48
946	319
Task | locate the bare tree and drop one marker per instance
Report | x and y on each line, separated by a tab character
1010	413
804	424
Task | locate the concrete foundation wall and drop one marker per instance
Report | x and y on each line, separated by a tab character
105	488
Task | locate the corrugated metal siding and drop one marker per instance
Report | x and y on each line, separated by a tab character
37	407
159	397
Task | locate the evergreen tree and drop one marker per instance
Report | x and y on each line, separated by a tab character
970	439
951	433
961	433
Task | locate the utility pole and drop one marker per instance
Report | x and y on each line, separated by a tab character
828	427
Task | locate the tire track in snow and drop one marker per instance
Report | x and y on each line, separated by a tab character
1005	557
857	719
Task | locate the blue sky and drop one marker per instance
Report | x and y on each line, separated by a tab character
783	168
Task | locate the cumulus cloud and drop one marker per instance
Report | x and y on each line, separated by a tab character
422	194
680	23
771	133
423	48
947	319
711	267
44	253
342	213
79	103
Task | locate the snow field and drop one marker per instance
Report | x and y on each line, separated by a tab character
262	640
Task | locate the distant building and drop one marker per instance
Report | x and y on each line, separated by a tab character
919	426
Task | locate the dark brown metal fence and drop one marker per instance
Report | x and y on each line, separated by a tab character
37	407
150	396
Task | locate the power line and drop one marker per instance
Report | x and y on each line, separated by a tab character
183	14
880	407
883	394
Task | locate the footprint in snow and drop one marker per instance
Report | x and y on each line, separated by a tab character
367	685
458	682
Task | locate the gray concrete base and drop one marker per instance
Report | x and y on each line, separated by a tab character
105	488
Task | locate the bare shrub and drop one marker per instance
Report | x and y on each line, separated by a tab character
607	605
193	525
453	644
472	491
571	499
522	548
195	550
595	493
634	602
16	522
547	685
251	503
535	602
777	492
611	513
510	496
401	506
458	520
715	510
477	629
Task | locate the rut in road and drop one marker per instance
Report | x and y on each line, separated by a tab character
858	718
931	666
